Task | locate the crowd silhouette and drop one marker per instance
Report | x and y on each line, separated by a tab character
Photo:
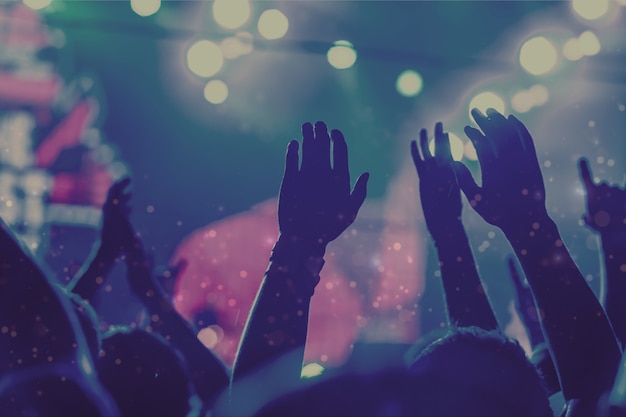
56	361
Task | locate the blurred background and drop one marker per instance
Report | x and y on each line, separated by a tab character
197	100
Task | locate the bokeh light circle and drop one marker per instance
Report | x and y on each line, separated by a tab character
231	14
538	56
273	24
590	9
145	7
342	55
409	83
216	91
204	58
486	100
457	146
37	4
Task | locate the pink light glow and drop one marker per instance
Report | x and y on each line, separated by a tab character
227	261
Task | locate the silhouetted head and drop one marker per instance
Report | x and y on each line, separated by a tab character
144	374
383	393
472	371
55	390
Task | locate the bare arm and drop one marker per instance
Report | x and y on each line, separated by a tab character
208	373
512	197
315	207
606	214
466	301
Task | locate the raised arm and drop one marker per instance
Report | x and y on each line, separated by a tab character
207	372
440	195
94	271
512	197
606	214
531	317
315	206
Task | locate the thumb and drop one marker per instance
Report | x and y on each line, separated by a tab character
358	194
466	181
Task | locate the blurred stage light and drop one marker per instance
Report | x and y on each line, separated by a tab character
210	336
342	55
204	58
409	83
538	56
238	45
571	50
539	94
37	4
231	14
311	370
486	100
522	101
145	7
273	24
590	9
456	146
216	91
589	43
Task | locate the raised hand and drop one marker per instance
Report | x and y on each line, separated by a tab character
512	188
315	206
512	197
315	203
466	301
114	212
606	214
439	192
606	205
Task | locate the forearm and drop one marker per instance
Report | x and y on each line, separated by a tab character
207	373
466	299
278	321
581	340
91	276
614	249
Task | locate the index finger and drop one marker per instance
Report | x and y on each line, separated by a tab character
585	173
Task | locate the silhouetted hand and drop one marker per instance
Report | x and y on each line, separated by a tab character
315	203
606	205
439	192
512	188
115	211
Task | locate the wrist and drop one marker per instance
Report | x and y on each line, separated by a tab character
296	247
531	229
301	260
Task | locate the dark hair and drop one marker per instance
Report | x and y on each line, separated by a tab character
53	390
144	374
487	364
